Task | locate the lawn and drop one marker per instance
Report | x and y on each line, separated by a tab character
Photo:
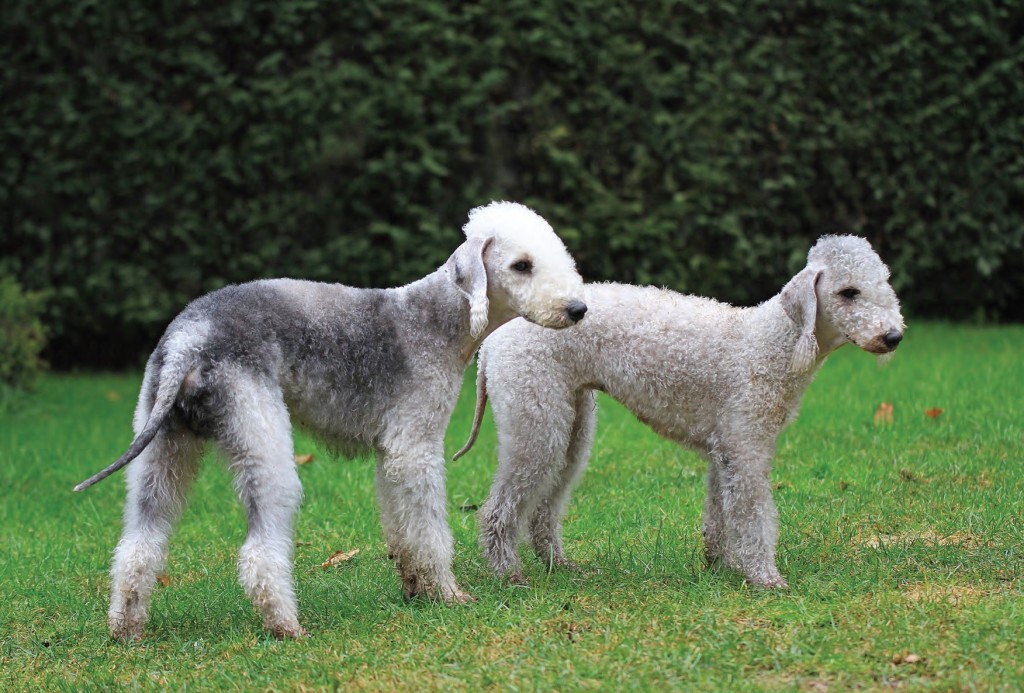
902	542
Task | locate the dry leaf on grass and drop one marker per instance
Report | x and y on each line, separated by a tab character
933	413
908	475
339	557
906	658
164	580
304	459
883	415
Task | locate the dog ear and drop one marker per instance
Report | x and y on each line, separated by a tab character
466	270
800	301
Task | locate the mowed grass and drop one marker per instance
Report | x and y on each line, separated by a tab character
902	543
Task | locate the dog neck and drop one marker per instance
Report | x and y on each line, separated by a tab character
437	305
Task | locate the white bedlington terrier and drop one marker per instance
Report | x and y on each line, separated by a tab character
719	379
363	369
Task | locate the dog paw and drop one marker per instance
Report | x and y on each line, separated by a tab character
776	582
126	635
290	633
518	579
413	587
125	630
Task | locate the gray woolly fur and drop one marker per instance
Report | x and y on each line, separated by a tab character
364	369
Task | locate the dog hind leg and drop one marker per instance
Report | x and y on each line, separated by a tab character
255	434
545	525
158	482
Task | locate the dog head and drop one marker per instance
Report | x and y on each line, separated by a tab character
512	264
842	295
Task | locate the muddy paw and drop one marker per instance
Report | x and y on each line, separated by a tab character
290	633
518	579
776	583
125	631
126	634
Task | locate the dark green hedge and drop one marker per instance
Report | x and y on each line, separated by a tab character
155	151
22	338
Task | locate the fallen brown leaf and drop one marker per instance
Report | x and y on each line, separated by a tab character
164	580
883	415
908	475
933	413
906	658
339	557
304	459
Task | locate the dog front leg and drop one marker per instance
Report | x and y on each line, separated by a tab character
413	506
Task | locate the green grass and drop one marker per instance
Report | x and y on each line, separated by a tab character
902	544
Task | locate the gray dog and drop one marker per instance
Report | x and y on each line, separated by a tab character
721	380
364	369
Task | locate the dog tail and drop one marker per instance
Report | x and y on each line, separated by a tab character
481	404
171	381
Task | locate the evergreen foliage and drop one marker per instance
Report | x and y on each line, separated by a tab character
22	339
156	151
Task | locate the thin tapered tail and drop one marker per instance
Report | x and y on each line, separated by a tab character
133	451
481	404
172	381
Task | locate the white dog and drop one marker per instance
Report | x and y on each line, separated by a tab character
721	380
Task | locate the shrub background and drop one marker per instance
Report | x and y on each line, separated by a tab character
156	151
22	338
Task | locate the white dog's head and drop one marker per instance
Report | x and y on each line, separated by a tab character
512	263
843	295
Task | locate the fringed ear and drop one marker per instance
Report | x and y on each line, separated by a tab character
801	305
466	270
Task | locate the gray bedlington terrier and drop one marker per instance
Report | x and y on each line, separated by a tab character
363	369
722	380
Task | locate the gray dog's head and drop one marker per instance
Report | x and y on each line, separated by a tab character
843	295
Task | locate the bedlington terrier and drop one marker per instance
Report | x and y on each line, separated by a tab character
722	380
363	369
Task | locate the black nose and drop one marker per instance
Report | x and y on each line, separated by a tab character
576	310
892	339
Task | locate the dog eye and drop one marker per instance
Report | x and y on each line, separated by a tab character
523	266
849	293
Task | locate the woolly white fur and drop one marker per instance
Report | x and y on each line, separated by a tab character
719	379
